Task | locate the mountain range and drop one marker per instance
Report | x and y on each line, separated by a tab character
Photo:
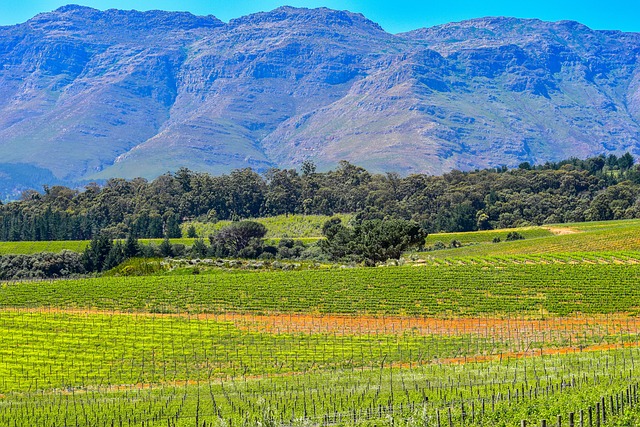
89	95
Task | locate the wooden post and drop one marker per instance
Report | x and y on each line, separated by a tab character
559	420
523	423
629	396
613	409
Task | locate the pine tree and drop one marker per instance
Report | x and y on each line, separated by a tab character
114	257
199	249
166	249
96	253
131	247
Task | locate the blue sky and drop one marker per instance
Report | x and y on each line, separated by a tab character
394	15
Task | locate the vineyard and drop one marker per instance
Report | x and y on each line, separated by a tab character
452	338
583	237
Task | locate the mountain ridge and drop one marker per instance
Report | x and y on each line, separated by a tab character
90	94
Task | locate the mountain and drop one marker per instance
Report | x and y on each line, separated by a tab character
89	95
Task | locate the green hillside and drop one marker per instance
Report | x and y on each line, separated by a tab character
620	235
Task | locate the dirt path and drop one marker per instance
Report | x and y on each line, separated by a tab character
562	231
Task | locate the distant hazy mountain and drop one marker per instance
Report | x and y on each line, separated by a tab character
87	94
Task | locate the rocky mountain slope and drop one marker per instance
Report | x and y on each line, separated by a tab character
88	95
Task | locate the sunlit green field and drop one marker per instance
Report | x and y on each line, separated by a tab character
282	226
490	334
71	245
578	237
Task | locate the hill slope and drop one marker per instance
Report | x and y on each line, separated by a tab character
87	94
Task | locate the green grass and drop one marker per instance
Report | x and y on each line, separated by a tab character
599	225
26	248
487	236
17	248
282	226
582	237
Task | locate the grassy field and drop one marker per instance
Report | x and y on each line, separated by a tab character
489	334
307	228
282	226
558	238
7	248
575	237
487	236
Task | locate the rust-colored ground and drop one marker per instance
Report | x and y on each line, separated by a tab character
483	326
520	337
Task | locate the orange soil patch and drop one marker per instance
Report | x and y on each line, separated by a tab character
512	329
498	327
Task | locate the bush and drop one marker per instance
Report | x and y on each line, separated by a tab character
371	241
438	246
514	235
199	249
242	238
41	265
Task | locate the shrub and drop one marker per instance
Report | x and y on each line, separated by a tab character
41	265
514	235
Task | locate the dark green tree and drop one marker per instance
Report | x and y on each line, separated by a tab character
115	257
191	232
371	241
625	162
172	224
166	249
514	235
232	239
131	247
96	253
199	249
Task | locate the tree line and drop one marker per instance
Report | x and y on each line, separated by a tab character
598	188
369	242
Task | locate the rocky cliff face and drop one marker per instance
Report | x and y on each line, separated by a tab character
87	94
